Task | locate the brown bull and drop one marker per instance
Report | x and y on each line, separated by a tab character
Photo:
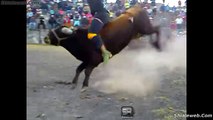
116	36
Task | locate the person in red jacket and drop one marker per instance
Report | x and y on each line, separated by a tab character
67	22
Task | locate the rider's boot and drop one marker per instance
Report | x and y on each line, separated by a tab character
106	54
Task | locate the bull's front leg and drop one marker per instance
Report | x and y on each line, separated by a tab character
157	43
79	69
88	71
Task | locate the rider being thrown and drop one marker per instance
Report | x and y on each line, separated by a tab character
101	17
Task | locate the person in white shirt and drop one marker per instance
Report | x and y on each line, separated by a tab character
179	23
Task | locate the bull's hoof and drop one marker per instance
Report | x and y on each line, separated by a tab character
84	89
73	86
157	46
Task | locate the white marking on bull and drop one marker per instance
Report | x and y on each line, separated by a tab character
131	19
66	30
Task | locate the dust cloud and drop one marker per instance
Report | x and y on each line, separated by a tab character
140	72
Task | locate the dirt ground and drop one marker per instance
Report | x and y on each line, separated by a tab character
47	99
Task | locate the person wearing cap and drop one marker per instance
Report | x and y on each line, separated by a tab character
101	17
41	22
52	22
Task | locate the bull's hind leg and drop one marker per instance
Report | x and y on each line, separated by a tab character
88	71
79	69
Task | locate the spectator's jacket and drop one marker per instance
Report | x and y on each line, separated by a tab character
59	21
76	22
84	22
67	22
167	8
52	21
174	8
52	12
127	5
163	8
61	12
29	14
32	20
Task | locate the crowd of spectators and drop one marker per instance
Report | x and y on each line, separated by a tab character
49	14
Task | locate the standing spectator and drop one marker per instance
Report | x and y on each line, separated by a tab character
32	23
174	9
29	15
167	8
59	21
52	22
76	20
179	3
41	22
67	22
179	22
162	8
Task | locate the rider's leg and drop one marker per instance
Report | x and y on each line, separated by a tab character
94	29
99	45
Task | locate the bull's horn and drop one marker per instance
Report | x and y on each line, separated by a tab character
66	30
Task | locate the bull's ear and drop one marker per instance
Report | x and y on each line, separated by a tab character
66	30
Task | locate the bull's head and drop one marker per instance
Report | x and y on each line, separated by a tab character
55	36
